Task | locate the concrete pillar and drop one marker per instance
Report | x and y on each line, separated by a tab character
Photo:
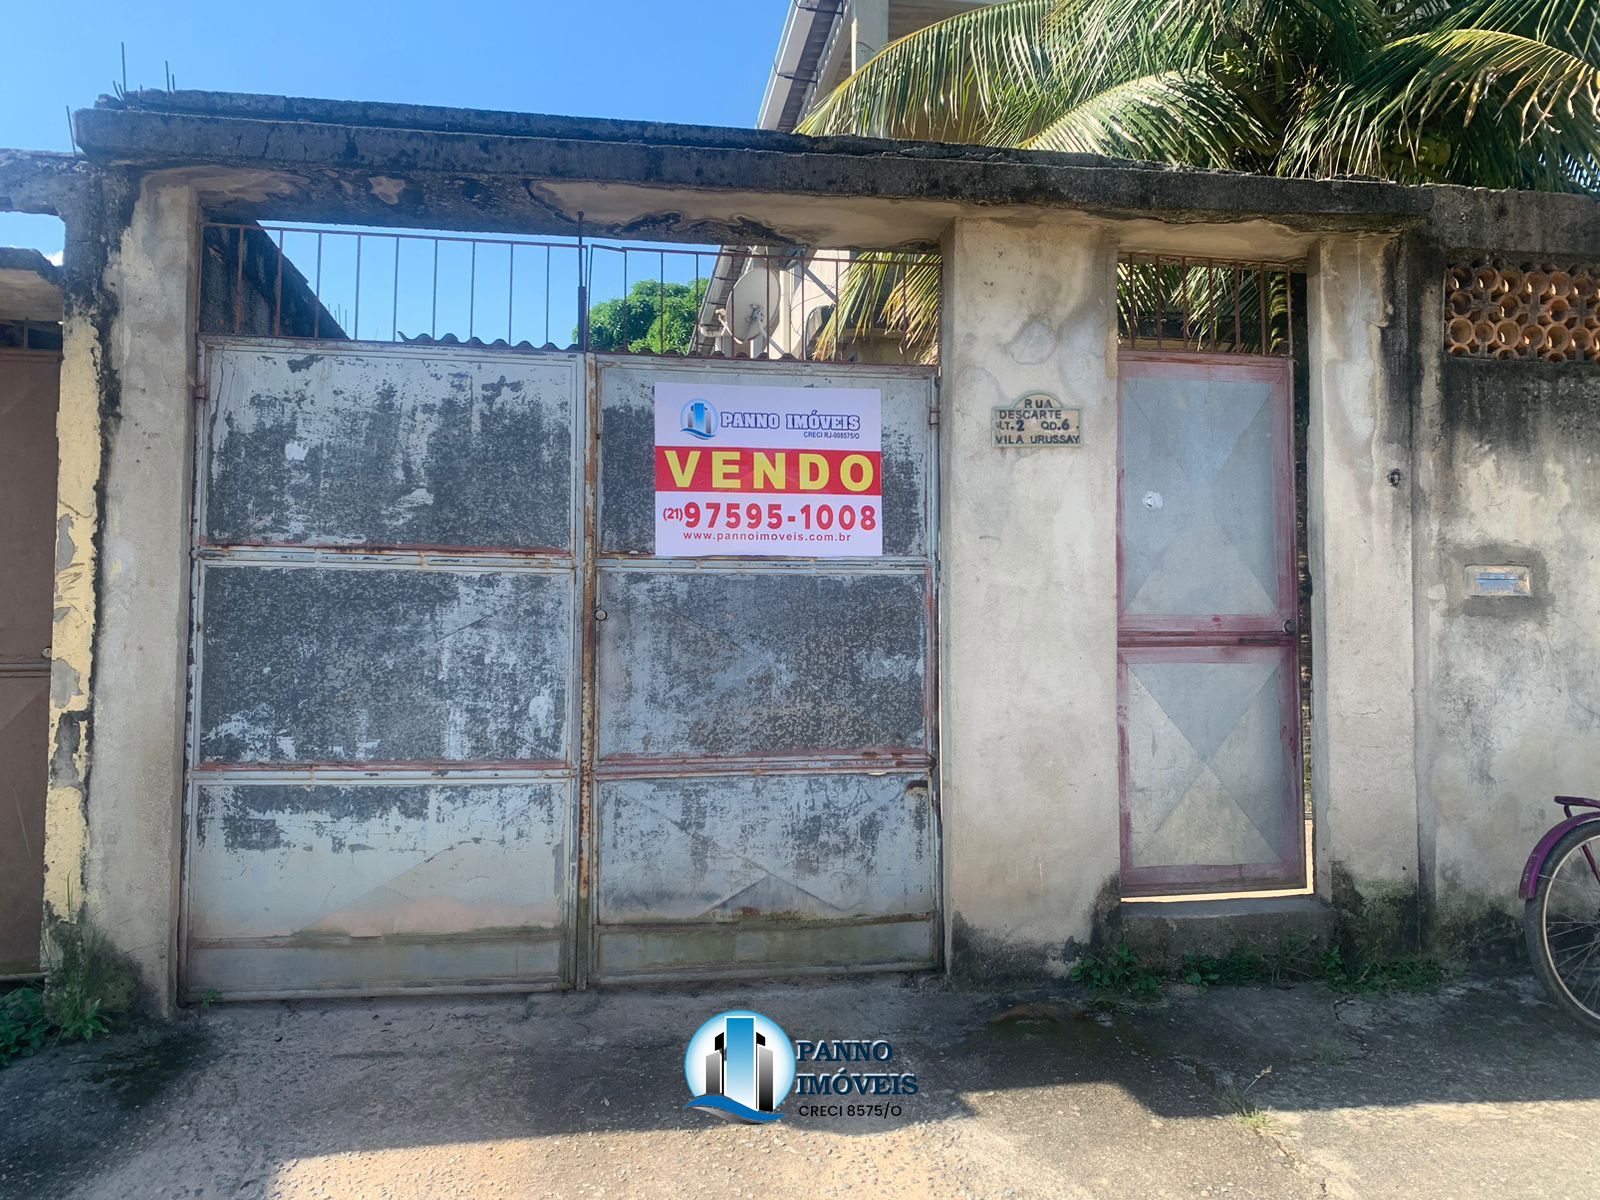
1363	731
869	30
1028	585
141	646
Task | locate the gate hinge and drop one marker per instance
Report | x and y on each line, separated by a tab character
933	415
201	395
933	404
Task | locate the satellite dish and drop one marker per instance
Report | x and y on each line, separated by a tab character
752	306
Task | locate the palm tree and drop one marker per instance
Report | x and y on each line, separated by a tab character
1489	93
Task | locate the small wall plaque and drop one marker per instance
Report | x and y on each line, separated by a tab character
1034	420
1498	581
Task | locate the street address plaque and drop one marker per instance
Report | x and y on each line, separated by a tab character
1034	420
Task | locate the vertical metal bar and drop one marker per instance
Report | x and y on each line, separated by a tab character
277	293
1238	300
511	291
1133	302
905	312
433	321
1288	304
1183	297
805	347
583	295
1213	321
661	303
472	294
547	295
694	303
394	306
238	287
355	330
1161	303
316	313
1261	291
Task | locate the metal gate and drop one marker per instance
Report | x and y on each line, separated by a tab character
1208	671
28	389
453	726
764	742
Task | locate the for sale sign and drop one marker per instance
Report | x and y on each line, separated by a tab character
770	471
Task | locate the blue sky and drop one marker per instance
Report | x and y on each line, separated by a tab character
701	63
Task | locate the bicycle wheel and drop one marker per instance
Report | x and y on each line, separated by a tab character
1562	925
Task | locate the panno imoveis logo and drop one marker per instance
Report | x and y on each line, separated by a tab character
739	1066
699	417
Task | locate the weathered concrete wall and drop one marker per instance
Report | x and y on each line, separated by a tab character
140	632
1359	478
1029	591
1510	712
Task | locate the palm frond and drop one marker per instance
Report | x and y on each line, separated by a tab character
885	296
1481	106
1186	35
1173	116
952	81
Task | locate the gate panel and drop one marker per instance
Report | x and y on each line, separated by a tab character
627	466
434	882
786	664
1208	653
764	732
384	789
343	663
380	449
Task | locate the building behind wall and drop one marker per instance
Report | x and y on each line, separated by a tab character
30	360
557	756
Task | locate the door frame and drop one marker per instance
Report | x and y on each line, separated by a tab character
1220	638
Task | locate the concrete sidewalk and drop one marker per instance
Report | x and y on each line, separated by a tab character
1480	1089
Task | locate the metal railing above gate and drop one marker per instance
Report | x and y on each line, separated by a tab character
1205	305
564	294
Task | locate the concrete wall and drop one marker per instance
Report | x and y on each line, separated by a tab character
1028	592
141	642
1359	480
1509	704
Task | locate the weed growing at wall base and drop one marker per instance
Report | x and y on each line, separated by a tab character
87	986
1122	973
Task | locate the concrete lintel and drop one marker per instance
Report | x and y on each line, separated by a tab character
679	164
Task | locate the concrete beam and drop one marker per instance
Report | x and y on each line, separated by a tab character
634	179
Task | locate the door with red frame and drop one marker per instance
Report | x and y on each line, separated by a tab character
1208	651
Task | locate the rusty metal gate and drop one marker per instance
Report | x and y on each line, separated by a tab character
454	726
28	390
